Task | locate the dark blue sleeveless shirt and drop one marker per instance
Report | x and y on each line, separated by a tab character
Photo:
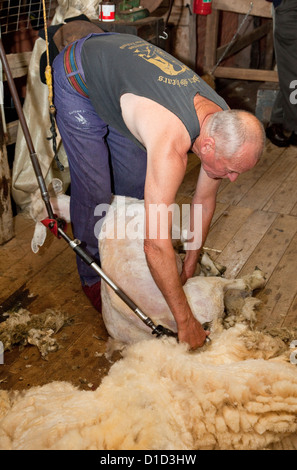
115	64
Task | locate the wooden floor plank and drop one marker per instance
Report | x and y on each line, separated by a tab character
86	363
226	227
269	183
22	223
188	186
294	210
280	290
272	246
29	265
244	242
17	247
225	183
193	162
290	318
284	199
220	211
233	193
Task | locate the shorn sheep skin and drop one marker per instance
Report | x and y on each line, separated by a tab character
123	259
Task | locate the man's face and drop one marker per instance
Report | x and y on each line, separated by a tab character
219	167
220	170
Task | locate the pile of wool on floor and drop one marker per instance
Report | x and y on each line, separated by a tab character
238	393
22	328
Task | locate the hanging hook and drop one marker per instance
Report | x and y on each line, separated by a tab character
164	35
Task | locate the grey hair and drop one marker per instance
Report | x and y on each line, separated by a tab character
230	128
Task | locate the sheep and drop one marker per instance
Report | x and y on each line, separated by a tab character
123	259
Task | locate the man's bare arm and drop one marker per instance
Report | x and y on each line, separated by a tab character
162	183
205	194
167	142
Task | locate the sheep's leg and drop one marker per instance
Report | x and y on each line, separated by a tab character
206	266
253	281
209	267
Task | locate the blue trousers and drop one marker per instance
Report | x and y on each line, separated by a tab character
102	162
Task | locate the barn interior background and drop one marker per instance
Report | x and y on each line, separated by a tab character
255	223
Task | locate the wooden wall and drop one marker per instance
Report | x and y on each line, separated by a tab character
188	33
18	47
6	220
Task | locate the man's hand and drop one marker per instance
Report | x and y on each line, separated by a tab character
188	271
190	266
192	332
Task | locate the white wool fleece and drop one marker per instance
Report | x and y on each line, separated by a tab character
161	396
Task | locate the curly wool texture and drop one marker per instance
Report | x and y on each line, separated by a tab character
22	328
238	393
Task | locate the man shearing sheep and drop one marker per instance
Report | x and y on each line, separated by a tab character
128	114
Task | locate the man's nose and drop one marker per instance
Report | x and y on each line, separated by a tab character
232	176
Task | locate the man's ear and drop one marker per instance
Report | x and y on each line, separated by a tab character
208	145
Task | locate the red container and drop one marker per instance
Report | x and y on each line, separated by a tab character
106	11
202	7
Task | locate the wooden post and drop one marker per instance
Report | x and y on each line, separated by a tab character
6	218
212	28
185	31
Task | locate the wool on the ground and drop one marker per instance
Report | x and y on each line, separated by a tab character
238	393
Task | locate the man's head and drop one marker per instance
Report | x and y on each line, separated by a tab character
230	143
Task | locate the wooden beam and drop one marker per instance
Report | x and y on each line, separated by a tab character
211	40
12	130
247	74
244	41
19	63
6	220
260	7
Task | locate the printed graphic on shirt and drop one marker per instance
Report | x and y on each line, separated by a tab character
154	56
158	58
176	81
